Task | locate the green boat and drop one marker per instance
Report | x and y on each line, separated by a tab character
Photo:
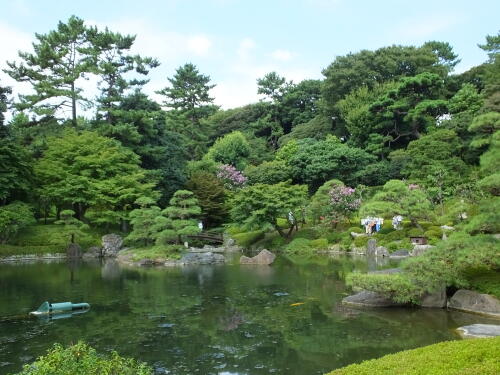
47	308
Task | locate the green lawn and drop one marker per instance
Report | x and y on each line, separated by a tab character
463	357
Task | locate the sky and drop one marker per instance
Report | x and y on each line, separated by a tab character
237	41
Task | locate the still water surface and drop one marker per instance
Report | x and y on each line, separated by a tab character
227	320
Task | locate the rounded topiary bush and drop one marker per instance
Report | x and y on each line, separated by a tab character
355	230
415	232
360	241
298	246
320	243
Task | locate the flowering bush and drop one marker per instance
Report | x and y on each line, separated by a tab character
343	201
231	177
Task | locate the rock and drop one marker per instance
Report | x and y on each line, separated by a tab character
479	331
435	300
420	249
496	236
387	271
381	251
356	235
74	250
447	227
371	247
202	258
368	299
470	301
264	257
230	242
93	252
358	250
400	254
111	245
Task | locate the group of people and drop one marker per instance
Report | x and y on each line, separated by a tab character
397	221
372	224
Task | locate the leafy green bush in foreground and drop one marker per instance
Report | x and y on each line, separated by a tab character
81	359
465	357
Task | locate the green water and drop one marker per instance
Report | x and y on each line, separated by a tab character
212	319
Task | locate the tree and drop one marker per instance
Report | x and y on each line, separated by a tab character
5	91
343	202
211	197
398	198
269	172
490	167
179	218
14	217
319	205
259	205
114	64
189	93
72	226
86	170
15	171
60	60
232	149
143	221
231	177
318	161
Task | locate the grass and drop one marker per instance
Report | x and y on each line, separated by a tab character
44	239
464	357
159	253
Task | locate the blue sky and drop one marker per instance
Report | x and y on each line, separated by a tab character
236	41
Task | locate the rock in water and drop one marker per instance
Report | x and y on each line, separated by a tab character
74	250
202	258
479	331
368	299
264	257
474	302
111	245
435	300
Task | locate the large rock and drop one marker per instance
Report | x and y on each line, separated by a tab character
74	250
435	300
479	331
93	252
420	249
368	299
111	245
470	301
202	258
264	257
371	247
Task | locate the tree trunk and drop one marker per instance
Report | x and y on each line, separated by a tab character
73	104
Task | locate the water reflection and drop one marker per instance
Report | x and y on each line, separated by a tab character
282	319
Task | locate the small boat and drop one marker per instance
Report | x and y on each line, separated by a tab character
47	308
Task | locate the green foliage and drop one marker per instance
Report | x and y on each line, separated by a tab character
462	357
179	218
211	196
259	205
87	170
397	198
355	230
299	246
143	222
16	171
81	359
320	201
319	243
270	172
247	239
13	218
484	281
157	253
72	227
232	149
361	241
487	220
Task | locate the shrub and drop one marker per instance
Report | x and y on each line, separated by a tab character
298	246
398	287
335	237
81	359
246	239
484	281
415	232
308	233
361	241
386	230
445	358
320	243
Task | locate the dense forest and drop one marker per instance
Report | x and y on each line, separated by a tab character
387	132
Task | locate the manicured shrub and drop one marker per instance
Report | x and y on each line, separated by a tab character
299	246
474	357
320	243
335	237
415	232
308	233
81	359
361	241
246	239
386	230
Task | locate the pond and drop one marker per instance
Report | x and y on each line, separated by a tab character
227	320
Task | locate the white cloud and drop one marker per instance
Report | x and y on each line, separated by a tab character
199	44
281	55
245	47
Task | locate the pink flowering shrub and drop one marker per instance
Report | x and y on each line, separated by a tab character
231	177
344	201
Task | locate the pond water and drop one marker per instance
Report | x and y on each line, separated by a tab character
227	320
